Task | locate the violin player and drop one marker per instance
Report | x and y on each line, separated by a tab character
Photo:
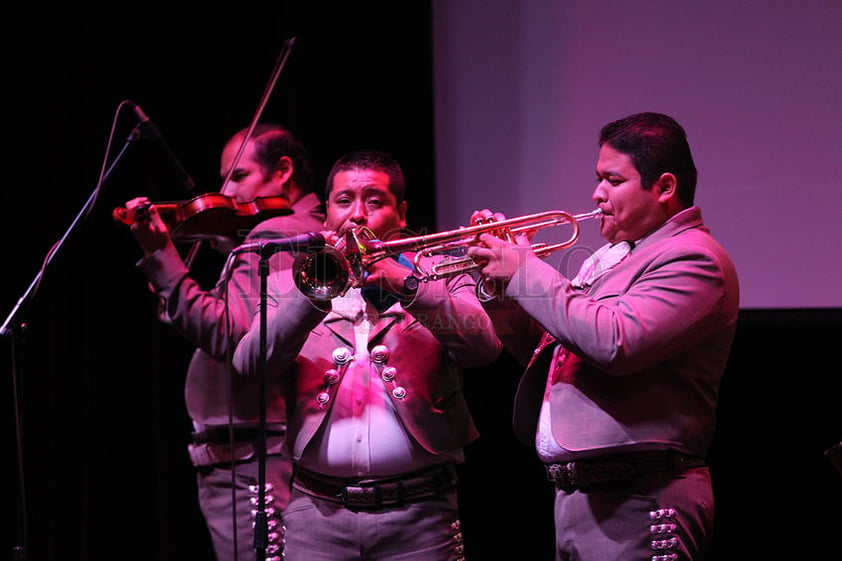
267	161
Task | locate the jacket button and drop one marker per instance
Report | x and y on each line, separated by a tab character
331	376
342	355
380	354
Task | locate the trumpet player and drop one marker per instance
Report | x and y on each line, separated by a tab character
377	419
623	362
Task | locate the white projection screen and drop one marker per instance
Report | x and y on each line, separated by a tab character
523	87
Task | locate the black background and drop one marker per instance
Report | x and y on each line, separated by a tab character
95	384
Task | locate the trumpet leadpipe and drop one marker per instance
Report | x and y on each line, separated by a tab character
556	218
504	229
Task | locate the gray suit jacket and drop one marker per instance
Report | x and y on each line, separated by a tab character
647	344
430	340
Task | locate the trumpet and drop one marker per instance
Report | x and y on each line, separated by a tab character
332	271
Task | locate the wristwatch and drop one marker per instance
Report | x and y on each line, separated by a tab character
410	285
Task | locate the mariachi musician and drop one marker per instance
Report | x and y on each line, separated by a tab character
264	168
378	419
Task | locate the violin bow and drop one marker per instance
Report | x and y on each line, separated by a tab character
281	61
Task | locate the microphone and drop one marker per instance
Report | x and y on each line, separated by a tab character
147	129
308	241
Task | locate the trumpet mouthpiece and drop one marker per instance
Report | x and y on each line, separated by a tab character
587	215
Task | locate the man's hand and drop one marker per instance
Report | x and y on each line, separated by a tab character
499	259
147	226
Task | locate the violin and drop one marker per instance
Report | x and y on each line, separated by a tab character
210	216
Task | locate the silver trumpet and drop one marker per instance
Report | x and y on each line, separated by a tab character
331	272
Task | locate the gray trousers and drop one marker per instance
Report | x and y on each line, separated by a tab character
426	530
215	502
659	517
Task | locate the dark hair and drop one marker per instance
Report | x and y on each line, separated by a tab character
271	143
370	159
656	144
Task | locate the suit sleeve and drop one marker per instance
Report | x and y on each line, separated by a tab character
213	320
450	310
675	301
290	317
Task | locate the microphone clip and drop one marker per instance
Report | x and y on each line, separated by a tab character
145	130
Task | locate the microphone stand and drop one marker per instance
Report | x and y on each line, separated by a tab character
261	531
310	241
7	328
14	326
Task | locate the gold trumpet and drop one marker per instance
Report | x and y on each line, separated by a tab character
332	271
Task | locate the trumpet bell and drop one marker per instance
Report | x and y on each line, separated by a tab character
322	275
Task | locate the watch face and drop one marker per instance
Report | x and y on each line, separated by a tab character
410	283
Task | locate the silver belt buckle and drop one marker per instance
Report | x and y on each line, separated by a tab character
563	475
353	496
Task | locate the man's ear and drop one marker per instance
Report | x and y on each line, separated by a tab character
285	168
666	187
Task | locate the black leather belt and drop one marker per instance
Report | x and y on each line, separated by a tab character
581	474
377	493
224	435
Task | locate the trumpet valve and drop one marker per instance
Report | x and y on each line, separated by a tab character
504	233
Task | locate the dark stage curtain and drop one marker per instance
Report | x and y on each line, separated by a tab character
99	380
